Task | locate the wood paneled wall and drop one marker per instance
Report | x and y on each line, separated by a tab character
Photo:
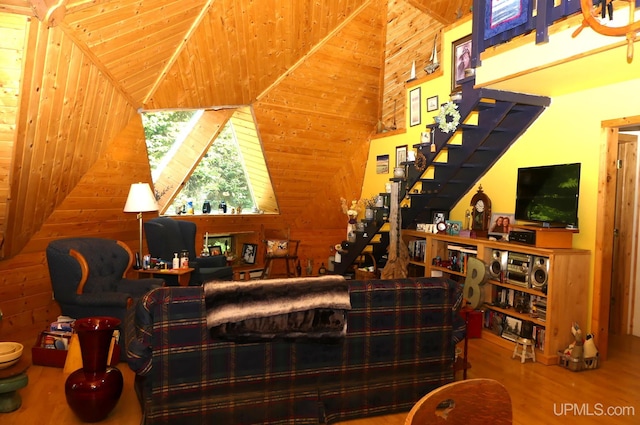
410	35
12	33
70	115
92	208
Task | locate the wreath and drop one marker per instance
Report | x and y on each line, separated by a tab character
449	118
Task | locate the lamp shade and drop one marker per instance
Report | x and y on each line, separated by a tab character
140	199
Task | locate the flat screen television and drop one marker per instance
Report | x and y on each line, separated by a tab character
548	195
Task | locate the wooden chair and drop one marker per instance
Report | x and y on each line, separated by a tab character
279	247
474	401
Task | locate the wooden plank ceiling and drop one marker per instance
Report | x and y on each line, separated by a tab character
444	11
310	70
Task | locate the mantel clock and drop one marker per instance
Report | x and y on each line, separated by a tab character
480	213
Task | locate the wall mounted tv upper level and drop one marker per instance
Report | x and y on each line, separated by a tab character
548	195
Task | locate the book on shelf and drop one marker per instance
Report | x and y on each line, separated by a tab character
458	257
417	249
538	336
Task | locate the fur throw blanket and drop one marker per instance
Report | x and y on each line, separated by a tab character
312	307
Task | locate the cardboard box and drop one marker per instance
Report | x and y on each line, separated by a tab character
56	358
47	356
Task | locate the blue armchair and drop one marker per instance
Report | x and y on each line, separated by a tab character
166	236
88	277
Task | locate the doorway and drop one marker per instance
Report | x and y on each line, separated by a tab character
625	240
605	227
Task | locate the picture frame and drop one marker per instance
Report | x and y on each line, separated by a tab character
497	226
216	250
438	216
512	328
460	60
249	251
382	164
454	227
432	103
414	107
401	155
503	15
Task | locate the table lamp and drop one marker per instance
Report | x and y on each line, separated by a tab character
140	199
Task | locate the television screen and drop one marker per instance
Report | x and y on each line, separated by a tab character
548	194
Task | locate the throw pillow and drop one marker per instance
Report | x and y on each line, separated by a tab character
277	248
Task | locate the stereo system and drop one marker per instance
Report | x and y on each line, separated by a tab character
498	264
523	236
540	273
527	271
518	269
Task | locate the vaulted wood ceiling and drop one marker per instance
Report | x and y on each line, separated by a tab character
312	72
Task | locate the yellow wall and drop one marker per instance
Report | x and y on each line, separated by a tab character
568	131
441	87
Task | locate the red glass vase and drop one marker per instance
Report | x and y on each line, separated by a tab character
93	391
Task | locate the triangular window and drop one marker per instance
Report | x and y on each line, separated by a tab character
201	158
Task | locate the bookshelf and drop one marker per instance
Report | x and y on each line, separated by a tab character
547	287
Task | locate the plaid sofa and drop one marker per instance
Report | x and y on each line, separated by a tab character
400	345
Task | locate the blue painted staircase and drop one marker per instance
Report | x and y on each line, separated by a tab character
501	118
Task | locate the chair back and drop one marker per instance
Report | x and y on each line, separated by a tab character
166	236
473	401
105	260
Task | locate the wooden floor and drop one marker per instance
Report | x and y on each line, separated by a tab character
539	394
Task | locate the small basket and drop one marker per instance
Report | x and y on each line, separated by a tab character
577	365
363	274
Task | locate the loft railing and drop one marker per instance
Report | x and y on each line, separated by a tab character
512	18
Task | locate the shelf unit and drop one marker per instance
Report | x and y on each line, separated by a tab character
567	285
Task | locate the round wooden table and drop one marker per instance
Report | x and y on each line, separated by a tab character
11	380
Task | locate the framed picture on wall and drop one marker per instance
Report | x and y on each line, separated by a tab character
461	60
432	104
401	155
414	107
382	164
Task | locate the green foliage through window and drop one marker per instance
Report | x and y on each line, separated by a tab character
220	175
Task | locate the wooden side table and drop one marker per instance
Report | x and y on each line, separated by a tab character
184	274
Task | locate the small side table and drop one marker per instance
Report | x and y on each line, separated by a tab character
11	380
184	274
